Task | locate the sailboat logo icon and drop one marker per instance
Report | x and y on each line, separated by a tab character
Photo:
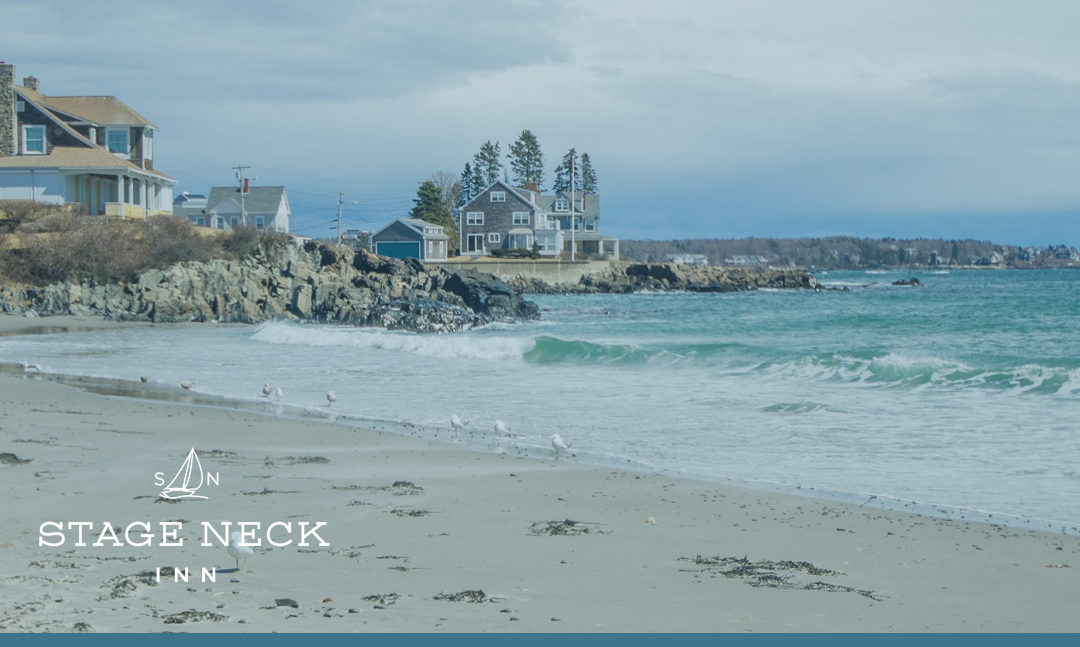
189	478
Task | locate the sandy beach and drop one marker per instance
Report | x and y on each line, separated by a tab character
428	537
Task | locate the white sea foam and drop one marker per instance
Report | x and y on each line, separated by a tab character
458	346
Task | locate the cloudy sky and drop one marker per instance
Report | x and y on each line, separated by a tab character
722	118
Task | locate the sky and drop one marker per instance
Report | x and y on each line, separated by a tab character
710	119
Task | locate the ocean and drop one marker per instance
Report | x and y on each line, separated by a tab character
960	398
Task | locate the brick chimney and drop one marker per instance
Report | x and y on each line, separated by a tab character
531	186
7	109
30	83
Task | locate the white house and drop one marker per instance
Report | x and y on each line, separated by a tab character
94	151
261	207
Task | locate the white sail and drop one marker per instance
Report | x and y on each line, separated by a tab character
188	479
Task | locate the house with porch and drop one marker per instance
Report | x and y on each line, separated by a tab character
412	238
92	151
506	217
265	208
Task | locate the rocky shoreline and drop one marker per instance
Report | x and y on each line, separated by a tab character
312	283
326	284
621	278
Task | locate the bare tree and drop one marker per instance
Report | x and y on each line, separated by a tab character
450	186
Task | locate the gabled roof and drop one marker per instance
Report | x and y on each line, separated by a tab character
91	156
419	226
523	195
258	199
101	111
592	203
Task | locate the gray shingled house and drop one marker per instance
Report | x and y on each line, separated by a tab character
411	238
506	217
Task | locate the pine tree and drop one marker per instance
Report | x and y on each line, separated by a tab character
487	164
469	185
429	205
526	159
562	172
588	175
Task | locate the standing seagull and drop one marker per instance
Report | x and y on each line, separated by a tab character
457	423
502	428
331	398
279	393
239	551
267	390
187	384
557	443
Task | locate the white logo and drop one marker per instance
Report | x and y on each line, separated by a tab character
189	478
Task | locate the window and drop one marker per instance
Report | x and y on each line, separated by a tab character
590	224
494	237
33	140
474	218
234	220
562	204
199	220
498	196
474	243
92	136
116	140
260	222
521	217
20	106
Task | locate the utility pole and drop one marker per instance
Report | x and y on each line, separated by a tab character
240	178
340	199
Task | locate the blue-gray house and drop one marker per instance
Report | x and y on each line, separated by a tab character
411	238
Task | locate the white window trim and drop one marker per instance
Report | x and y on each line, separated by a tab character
474	218
498	196
20	106
127	141
562	205
520	218
260	222
25	137
494	237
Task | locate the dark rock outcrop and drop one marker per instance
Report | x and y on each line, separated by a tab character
665	277
315	282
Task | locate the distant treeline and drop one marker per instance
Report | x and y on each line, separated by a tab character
845	252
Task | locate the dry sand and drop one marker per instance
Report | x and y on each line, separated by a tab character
418	529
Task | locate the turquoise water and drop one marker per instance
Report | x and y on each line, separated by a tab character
959	397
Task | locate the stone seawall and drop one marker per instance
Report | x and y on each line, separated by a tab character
315	282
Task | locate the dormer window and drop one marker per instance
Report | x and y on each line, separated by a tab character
33	140
117	140
498	196
562	204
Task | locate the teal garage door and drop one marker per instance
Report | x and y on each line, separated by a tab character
398	249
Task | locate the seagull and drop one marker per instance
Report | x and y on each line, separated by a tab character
30	368
267	390
143	379
239	551
502	428
279	393
331	397
186	384
557	443
457	423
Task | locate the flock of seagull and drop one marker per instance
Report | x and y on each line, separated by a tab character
456	422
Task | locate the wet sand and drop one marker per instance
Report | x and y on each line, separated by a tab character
431	537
